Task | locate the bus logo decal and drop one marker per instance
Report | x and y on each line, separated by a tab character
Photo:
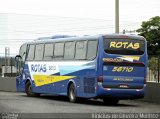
38	68
41	80
125	45
130	58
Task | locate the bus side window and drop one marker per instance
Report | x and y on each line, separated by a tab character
81	48
39	52
31	52
69	50
48	51
58	51
22	52
92	49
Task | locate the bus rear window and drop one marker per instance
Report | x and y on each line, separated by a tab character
124	46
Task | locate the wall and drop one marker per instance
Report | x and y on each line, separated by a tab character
152	92
8	84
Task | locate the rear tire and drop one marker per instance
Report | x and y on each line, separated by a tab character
28	90
72	94
109	101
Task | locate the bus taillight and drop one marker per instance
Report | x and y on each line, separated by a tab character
99	80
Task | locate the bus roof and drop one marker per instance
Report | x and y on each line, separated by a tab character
126	36
58	38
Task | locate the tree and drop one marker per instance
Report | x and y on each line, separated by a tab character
151	31
153	66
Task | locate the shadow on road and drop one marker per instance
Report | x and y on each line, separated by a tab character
95	102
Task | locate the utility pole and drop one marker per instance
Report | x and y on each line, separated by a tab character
116	16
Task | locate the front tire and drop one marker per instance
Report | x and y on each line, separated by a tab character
28	90
72	94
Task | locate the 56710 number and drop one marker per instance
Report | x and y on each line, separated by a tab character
122	69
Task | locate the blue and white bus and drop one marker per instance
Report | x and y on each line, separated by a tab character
109	67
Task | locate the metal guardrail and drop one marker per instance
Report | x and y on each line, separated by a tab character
8	84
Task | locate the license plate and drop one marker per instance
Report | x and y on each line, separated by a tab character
123	86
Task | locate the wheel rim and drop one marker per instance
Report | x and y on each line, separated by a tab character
72	95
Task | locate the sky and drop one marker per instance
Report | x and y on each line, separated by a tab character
102	9
72	17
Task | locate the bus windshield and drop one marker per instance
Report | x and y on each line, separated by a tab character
124	46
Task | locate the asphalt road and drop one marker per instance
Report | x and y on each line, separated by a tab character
19	103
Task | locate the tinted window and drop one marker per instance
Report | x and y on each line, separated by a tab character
48	52
92	49
81	47
69	50
39	52
124	46
58	51
31	52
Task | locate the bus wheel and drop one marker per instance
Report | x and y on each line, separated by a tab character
28	90
71	93
109	101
